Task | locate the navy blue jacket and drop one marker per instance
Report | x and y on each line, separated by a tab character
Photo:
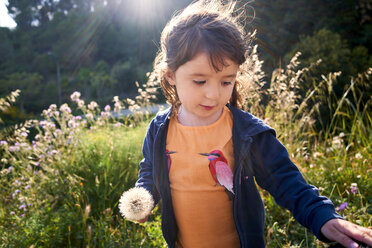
259	157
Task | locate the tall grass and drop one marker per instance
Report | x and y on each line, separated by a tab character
60	186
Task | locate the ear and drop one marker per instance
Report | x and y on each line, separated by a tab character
170	76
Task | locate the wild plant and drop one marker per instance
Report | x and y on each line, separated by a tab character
61	186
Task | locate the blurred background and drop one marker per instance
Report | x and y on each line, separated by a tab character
51	48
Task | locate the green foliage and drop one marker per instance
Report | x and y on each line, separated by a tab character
334	52
281	23
31	86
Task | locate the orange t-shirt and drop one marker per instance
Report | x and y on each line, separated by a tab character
202	208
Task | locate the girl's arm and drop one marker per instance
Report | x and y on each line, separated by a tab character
276	173
145	175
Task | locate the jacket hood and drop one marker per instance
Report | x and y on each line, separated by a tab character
247	124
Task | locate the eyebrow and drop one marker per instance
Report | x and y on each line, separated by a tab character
203	75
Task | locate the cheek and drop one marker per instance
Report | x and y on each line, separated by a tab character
228	93
182	94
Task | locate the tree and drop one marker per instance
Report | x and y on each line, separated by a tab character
335	55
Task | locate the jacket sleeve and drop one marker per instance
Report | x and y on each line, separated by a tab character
277	174
145	175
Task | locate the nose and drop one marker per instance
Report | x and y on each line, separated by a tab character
212	91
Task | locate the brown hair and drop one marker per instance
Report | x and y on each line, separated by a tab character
203	26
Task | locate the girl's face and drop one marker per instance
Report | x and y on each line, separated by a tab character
203	92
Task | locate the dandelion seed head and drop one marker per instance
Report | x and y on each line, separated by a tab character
136	203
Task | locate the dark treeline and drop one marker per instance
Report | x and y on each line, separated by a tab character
101	48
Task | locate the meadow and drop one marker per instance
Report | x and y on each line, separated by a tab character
62	176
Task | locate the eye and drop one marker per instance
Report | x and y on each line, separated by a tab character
226	83
199	82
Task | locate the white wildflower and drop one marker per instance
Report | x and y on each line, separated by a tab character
75	97
136	203
81	103
130	101
14	148
117	107
53	107
337	141
118	124
105	114
89	116
134	108
107	108
92	105
317	154
358	156
65	108
46	112
72	124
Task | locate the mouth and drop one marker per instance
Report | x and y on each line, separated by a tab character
206	107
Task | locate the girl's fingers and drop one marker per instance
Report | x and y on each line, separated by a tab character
332	233
356	232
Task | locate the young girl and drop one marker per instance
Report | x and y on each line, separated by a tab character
203	156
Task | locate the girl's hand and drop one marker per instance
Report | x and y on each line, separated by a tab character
344	232
144	219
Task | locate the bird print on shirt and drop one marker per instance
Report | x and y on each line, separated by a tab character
220	170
